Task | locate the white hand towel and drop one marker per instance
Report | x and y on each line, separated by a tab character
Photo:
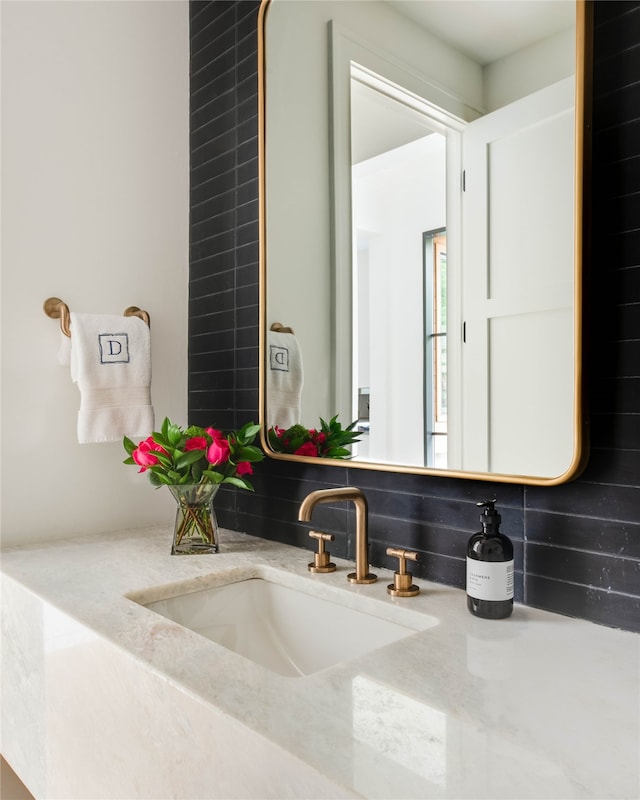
111	363
284	379
64	351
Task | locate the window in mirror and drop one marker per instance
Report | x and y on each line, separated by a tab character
435	303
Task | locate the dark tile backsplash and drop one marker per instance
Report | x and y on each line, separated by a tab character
577	546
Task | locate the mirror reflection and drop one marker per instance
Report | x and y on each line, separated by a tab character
419	231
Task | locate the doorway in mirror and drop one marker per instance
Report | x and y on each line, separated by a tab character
402	161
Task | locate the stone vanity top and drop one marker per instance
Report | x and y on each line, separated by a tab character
535	706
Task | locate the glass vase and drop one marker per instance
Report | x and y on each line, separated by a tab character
196	526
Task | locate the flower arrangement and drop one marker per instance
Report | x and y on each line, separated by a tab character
173	456
331	440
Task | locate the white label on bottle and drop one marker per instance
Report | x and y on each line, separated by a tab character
489	580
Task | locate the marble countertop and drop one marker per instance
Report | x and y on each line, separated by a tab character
538	705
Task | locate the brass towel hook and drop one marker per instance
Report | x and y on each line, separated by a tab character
134	311
278	327
55	308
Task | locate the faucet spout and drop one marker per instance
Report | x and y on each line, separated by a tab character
362	574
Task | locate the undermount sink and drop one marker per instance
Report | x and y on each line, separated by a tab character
288	631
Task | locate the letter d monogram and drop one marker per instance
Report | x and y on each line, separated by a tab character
114	348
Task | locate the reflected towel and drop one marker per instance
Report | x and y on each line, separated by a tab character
111	363
284	379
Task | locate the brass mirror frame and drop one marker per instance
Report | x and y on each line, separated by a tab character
582	186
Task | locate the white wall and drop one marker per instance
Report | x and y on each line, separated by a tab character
529	69
95	211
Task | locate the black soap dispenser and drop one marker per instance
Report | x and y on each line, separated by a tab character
490	568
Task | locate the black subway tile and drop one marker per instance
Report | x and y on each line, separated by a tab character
578	543
586	602
621	430
613	147
610	573
617	28
571	532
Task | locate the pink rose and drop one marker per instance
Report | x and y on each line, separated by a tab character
195	443
307	449
143	454
244	468
218	450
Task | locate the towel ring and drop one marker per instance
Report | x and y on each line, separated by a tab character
55	308
134	311
278	327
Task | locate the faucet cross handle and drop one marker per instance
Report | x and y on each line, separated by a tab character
321	561
402	585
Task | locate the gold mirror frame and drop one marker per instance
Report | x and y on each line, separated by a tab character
584	38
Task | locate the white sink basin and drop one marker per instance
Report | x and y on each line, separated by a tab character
281	628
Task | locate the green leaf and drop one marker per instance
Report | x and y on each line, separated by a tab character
158	438
241	483
188	458
337	452
162	458
214	477
196	472
129	461
248	453
174	435
158	479
248	432
129	446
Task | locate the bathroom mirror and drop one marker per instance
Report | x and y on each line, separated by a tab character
423	171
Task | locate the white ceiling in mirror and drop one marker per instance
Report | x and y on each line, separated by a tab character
483	31
487	31
380	123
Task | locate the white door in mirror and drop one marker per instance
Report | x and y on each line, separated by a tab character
518	278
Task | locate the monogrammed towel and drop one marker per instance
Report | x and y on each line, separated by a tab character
284	379
111	363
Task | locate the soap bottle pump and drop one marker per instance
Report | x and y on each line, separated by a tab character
490	568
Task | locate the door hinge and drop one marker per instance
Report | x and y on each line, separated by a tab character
464	180
464	333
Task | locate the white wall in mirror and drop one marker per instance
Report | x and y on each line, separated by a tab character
298	168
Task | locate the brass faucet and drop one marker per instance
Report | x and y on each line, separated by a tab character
362	574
